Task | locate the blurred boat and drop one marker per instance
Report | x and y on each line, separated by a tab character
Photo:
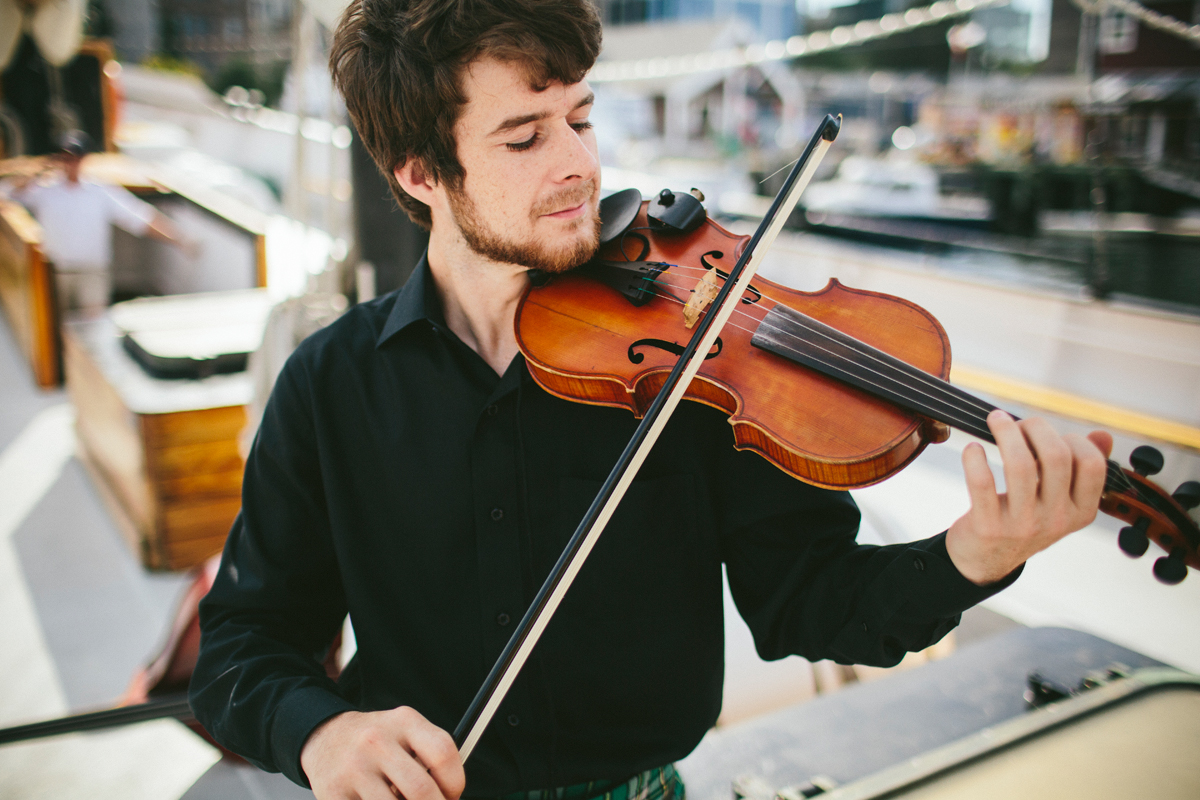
888	188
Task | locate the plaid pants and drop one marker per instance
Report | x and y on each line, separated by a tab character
661	783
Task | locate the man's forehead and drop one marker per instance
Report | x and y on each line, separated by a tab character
498	92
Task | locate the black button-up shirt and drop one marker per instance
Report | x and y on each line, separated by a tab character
396	477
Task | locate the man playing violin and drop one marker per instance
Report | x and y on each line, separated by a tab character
409	472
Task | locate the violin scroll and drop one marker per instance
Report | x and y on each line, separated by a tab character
1154	515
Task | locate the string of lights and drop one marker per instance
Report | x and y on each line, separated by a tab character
1151	18
787	49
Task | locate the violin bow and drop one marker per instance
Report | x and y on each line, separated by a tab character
548	598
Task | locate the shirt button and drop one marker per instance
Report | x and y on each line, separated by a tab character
514	720
497	514
918	564
493	410
502	619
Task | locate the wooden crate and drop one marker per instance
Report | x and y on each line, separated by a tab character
164	452
27	292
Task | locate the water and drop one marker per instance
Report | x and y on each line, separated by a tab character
1164	269
1154	269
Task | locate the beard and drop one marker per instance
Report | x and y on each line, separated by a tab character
534	254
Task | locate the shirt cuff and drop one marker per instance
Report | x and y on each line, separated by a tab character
295	718
937	588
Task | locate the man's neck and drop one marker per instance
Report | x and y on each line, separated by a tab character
479	298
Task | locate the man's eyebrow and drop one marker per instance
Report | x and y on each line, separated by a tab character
515	122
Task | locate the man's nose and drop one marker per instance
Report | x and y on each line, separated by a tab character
574	157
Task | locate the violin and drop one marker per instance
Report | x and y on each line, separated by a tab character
840	388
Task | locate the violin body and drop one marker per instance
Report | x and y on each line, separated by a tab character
586	342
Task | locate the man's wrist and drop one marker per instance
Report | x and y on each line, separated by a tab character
315	742
296	718
966	559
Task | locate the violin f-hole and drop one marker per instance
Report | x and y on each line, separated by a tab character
757	295
714	254
671	347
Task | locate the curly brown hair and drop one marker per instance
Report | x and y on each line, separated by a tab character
399	65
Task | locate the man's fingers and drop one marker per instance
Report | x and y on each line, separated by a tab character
1020	467
981	484
1103	441
409	777
1090	470
435	749
435	752
381	755
1055	459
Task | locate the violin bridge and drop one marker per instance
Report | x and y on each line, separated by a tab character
705	292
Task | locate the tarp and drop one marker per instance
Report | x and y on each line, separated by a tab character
55	25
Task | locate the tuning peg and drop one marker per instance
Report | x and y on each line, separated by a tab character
1146	460
1188	494
1171	569
1132	539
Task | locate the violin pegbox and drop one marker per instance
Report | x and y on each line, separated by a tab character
1153	515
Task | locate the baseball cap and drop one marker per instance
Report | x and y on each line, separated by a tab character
74	143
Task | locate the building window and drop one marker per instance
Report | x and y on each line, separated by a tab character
1118	33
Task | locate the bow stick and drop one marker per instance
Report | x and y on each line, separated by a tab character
533	623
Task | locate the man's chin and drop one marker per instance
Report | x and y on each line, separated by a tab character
575	242
579	252
569	260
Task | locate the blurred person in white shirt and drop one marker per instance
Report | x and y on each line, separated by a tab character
77	216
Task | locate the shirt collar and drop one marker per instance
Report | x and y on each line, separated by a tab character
417	300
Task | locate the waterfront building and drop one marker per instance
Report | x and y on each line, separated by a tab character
772	19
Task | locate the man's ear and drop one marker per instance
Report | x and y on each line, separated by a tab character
416	181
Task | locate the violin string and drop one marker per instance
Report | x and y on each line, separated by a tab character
776	172
972	423
974	412
964	419
1116	474
931	381
972	408
975	415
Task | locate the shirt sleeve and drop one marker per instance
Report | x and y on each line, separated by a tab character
126	211
806	587
258	687
26	195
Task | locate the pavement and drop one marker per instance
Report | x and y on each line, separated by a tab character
78	615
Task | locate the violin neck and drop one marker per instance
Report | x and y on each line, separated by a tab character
797	337
804	340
